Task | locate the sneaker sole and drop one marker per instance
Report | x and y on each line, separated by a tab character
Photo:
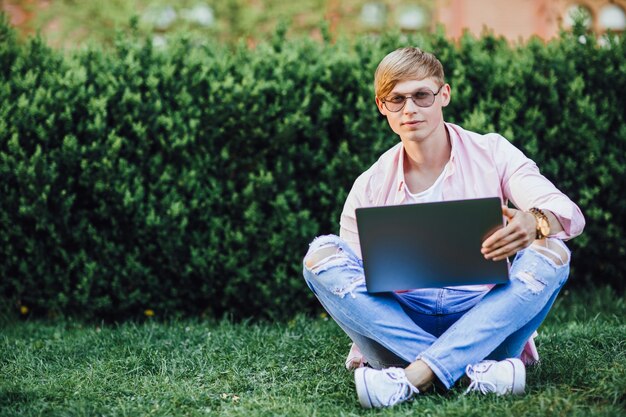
519	376
361	388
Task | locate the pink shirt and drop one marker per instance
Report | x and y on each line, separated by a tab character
479	166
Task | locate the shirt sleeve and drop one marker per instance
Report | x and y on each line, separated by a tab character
348	230
526	187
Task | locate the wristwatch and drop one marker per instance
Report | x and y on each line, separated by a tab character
543	225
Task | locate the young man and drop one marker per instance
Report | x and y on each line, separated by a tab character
413	339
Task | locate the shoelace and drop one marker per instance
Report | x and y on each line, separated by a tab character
478	383
405	389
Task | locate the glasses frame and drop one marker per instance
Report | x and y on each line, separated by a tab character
406	98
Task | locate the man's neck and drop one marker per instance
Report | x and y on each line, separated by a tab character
428	156
425	160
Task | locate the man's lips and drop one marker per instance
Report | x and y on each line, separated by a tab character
413	122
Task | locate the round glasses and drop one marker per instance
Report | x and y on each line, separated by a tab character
421	98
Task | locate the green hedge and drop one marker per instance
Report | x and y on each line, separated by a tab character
191	180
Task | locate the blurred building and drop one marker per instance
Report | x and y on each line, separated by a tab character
256	19
520	19
513	19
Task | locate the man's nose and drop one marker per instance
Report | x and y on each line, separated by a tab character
410	106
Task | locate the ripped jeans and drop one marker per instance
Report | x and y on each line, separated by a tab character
445	327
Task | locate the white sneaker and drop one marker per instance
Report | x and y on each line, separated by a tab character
382	388
504	377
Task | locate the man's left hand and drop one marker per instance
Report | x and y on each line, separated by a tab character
519	233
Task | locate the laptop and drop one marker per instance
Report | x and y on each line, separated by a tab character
429	245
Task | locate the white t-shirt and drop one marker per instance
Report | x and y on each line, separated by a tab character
433	193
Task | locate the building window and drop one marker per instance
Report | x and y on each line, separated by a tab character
612	17
374	15
411	17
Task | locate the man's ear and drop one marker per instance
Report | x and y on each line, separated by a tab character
446	94
379	104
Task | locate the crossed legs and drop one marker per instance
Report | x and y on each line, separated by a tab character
498	325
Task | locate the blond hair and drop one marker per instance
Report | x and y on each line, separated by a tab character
404	64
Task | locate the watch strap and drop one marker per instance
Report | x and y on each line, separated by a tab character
539	217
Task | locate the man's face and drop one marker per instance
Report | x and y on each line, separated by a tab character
414	123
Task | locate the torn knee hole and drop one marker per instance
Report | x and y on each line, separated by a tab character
534	284
552	251
321	254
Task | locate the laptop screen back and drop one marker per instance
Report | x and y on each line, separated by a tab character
429	245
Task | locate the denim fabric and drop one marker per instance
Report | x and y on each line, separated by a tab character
446	328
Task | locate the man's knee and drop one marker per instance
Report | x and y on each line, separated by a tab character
330	264
319	255
553	249
536	277
322	249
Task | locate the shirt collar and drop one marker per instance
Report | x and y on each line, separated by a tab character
400	170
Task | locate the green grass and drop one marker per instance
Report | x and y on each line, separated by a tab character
191	367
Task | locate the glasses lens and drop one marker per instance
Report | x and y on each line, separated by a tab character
395	103
424	98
